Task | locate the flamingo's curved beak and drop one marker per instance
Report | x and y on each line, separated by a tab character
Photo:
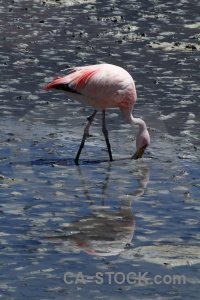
139	152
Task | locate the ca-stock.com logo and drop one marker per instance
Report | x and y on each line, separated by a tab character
131	278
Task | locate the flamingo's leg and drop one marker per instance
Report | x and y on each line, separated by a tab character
105	133
85	135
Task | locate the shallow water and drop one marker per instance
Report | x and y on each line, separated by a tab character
120	217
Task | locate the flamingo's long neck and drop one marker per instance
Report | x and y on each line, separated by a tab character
128	117
142	138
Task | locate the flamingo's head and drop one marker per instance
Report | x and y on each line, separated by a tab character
142	142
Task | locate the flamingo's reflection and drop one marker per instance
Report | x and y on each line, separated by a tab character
105	231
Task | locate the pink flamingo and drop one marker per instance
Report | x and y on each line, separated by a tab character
103	86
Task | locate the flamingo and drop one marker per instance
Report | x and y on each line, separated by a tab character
103	86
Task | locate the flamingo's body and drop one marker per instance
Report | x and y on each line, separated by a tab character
103	86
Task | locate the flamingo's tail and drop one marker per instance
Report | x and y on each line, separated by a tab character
62	84
56	83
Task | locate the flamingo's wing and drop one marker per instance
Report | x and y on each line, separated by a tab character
100	86
75	81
